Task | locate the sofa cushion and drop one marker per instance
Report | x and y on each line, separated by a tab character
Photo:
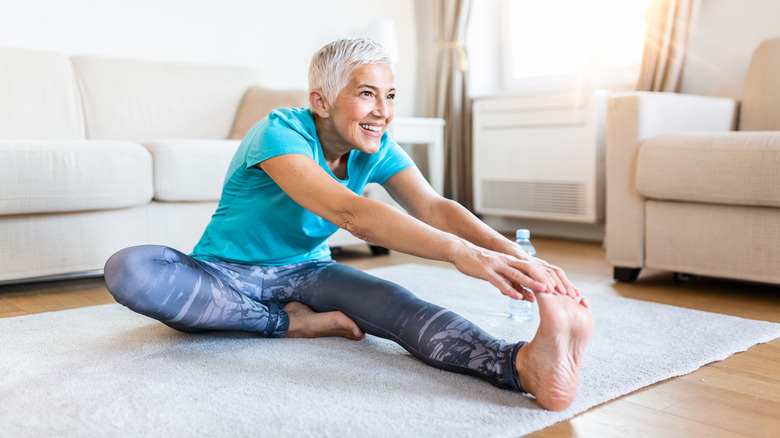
38	96
259	101
48	176
190	169
724	168
143	100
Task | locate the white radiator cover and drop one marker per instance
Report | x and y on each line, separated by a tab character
540	155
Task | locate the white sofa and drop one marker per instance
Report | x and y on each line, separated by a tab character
97	154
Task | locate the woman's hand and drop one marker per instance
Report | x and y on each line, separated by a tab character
560	282
511	273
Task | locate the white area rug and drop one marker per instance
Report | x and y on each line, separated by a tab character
105	371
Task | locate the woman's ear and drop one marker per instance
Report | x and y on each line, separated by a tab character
319	104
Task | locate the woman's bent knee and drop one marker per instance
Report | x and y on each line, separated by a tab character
128	274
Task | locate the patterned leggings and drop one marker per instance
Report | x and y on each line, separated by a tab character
194	295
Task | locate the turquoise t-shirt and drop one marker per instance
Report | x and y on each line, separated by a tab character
256	222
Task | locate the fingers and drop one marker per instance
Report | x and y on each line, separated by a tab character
514	284
531	274
563	285
508	288
553	277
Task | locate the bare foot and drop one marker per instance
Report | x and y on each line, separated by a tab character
549	365
306	323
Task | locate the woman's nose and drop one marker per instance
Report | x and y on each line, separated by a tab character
383	108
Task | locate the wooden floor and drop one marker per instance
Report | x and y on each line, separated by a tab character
736	397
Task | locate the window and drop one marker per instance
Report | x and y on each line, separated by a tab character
572	43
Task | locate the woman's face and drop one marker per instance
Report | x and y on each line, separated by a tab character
364	108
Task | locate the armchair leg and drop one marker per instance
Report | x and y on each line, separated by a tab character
626	275
679	277
379	250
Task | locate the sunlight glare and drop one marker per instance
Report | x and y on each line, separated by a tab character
565	36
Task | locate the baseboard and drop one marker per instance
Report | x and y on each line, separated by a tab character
589	232
56	277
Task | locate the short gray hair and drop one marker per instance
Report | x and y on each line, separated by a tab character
332	65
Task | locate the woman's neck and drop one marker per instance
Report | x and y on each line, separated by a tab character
334	149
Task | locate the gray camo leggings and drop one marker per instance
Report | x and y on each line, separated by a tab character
194	295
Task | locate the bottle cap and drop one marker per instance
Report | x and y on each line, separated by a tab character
522	233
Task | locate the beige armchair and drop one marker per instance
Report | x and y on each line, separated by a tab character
693	182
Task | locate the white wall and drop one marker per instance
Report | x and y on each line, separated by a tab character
276	36
723	39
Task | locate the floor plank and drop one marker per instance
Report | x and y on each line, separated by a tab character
734	375
621	419
663	395
733	411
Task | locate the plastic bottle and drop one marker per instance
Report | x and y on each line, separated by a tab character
522	309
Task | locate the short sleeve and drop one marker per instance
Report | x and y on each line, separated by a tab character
395	160
279	134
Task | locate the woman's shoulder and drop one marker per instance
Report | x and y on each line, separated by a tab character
297	119
285	130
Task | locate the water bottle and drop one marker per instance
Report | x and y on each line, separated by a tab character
522	309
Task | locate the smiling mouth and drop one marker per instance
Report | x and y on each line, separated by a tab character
372	128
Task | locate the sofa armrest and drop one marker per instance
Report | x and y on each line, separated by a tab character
633	117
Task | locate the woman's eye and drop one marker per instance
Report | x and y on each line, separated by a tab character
391	96
366	93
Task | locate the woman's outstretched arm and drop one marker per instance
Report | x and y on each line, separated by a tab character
314	189
410	189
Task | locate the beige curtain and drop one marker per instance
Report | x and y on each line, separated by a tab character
669	25
452	101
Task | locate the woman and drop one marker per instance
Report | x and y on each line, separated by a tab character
262	263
